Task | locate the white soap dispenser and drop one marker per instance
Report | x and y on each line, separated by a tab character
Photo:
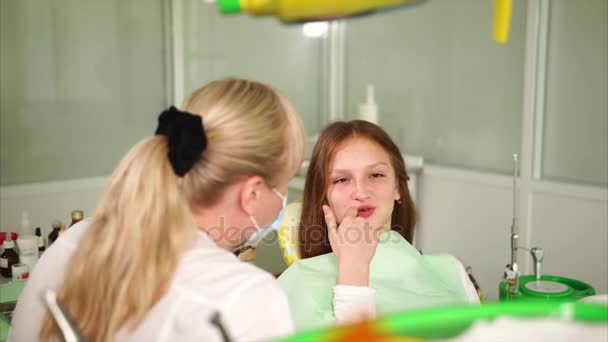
369	110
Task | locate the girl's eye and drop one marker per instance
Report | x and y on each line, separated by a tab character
340	180
377	175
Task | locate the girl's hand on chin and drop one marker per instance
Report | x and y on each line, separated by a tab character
354	242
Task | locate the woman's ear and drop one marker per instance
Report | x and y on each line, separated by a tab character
250	193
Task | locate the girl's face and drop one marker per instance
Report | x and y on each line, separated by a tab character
362	176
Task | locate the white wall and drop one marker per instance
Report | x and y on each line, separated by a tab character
469	214
571	224
48	201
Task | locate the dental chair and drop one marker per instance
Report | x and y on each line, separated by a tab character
290	250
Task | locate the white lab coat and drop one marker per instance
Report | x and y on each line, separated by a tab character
208	279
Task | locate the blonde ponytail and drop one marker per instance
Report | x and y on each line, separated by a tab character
124	263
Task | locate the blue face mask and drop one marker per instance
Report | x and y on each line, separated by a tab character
262	232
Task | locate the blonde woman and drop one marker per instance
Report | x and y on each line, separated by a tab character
155	262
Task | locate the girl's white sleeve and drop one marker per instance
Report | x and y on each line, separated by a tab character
354	303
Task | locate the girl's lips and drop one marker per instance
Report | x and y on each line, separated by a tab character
365	212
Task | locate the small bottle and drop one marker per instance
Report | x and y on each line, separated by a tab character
25	223
54	234
77	216
8	258
28	250
41	244
369	110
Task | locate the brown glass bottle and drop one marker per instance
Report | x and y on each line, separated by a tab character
77	216
8	258
41	245
54	234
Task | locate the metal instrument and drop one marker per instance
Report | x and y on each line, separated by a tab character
64	322
512	270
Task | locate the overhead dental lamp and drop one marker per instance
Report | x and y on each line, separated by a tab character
323	10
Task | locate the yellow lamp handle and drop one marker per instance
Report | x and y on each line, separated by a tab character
502	20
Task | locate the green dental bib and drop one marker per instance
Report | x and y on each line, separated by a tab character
403	280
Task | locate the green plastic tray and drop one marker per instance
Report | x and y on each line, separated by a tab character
446	322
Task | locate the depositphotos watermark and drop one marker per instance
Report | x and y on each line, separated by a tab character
315	235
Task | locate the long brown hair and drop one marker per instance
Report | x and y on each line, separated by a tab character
143	223
313	231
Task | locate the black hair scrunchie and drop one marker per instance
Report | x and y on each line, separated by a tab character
186	137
